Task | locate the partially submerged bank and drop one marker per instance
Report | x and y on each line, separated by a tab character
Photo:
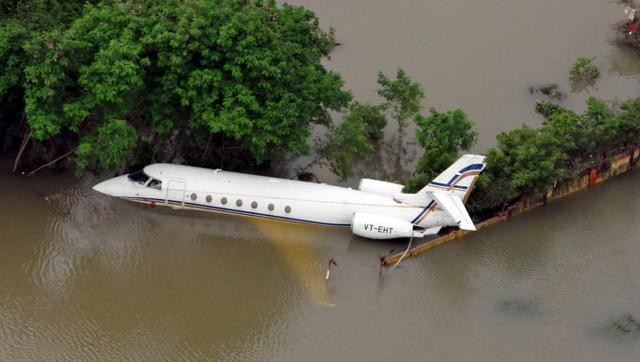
619	164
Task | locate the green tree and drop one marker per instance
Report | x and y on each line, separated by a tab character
371	117
526	162
41	15
442	136
402	97
183	75
583	70
355	139
630	123
110	143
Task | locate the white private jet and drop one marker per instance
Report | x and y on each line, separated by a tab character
377	210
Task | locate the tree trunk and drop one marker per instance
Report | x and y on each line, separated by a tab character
23	146
308	166
206	149
50	163
177	145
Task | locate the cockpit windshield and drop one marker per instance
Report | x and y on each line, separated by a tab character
143	179
139	177
155	184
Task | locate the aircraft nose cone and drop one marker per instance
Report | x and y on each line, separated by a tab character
108	187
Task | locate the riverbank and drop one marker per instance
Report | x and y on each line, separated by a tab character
617	165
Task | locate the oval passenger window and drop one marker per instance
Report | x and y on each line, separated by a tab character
209	198
194	196
270	207
254	205
238	202
287	209
223	200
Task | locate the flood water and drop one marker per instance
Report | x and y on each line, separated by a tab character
480	56
87	277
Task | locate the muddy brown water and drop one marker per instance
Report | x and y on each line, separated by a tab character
87	277
479	56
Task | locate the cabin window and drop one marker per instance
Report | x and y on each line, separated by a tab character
208	198
223	200
287	209
139	177
254	205
238	202
270	207
155	184
194	196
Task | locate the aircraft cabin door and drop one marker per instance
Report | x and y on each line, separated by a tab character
175	192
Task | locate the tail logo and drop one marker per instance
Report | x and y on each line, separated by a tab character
471	170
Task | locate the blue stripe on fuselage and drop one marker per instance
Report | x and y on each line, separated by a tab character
422	212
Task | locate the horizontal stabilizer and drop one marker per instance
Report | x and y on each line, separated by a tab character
454	207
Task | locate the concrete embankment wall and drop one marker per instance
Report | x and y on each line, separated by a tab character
620	164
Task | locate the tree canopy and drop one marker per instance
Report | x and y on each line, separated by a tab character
531	162
171	77
442	136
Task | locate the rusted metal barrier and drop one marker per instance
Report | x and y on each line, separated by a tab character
447	238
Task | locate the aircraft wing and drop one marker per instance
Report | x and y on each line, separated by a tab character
454	207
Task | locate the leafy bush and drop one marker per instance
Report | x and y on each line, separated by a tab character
442	136
583	70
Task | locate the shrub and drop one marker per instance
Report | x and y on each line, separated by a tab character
583	70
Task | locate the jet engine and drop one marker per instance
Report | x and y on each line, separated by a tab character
380	187
381	227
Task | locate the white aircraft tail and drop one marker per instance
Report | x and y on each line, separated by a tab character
449	191
459	178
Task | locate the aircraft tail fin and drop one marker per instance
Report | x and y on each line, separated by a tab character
459	177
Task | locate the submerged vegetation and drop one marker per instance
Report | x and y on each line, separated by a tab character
627	324
583	70
550	90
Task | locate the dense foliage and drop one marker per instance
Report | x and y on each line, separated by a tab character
442	136
356	138
218	82
531	162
